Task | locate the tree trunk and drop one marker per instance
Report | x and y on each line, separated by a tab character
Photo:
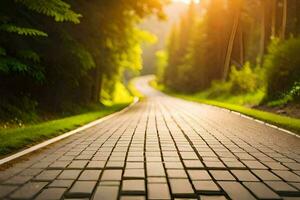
284	19
97	85
274	17
232	37
242	46
262	31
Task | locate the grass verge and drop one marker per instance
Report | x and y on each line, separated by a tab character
14	139
289	123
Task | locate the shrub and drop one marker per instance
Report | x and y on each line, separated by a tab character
283	67
18	109
246	80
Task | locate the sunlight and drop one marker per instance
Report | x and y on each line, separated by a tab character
186	1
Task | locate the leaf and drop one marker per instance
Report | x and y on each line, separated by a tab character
21	30
58	9
29	55
8	64
2	51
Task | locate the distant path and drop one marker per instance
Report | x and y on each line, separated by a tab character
162	148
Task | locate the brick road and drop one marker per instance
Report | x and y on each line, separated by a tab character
162	148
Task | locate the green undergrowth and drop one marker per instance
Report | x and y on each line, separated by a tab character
14	139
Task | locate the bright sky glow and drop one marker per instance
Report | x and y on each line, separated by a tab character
186	1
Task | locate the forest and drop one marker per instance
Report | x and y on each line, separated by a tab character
56	55
243	51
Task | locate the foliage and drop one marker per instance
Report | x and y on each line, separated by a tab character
283	67
161	64
64	54
198	60
57	9
13	139
245	80
22	31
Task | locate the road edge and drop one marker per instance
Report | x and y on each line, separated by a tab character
65	135
236	113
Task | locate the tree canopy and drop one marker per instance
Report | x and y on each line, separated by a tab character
55	53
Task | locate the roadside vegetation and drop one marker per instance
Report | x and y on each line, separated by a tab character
237	104
254	67
14	139
61	56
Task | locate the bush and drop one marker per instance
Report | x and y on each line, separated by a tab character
245	80
283	67
219	88
18	109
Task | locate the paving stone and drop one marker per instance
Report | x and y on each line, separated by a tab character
31	172
266	175
293	166
111	175
253	164
48	175
96	164
134	165
90	175
51	194
155	169
158	191
29	190
237	164
176	173
193	164
134	173
78	164
82	189
134	186
110	183
188	155
59	164
275	166
212	197
133	198
222	175
280	186
199	175
6	189
115	164
173	165
206	186
244	175
287	176
236	191
69	174
296	185
261	191
106	192
214	164
157	180
18	180
61	183
181	186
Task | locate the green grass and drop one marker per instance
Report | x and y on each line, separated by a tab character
15	139
292	124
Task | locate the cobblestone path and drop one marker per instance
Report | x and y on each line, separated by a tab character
162	148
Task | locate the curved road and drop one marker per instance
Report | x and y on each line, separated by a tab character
162	148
